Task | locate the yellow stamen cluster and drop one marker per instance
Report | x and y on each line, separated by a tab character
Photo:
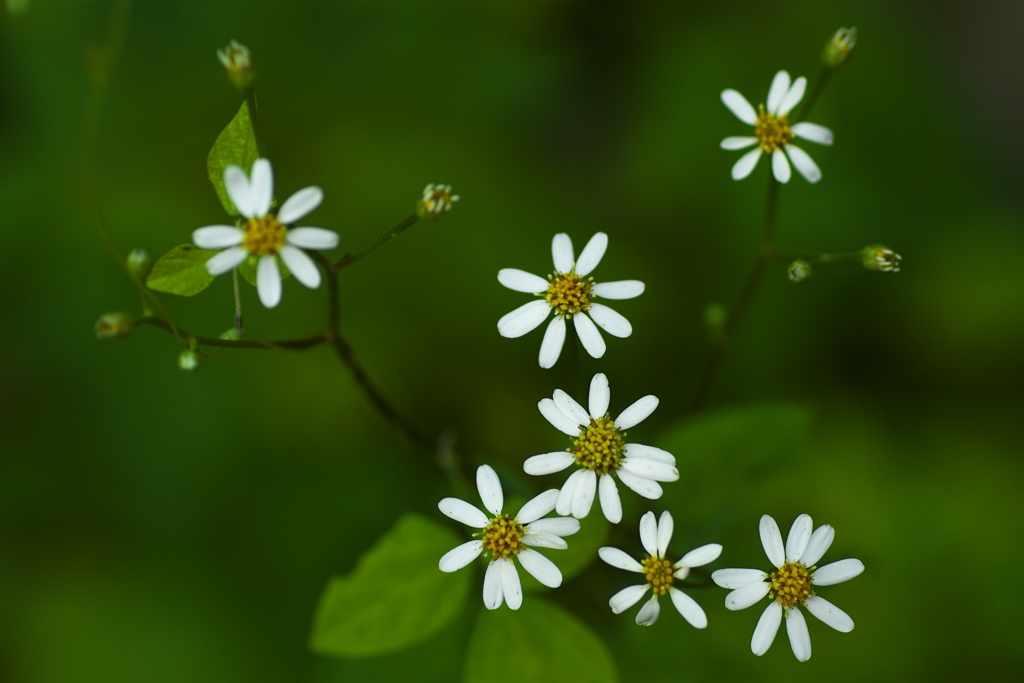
264	236
772	131
791	584
568	293
503	537
659	573
599	446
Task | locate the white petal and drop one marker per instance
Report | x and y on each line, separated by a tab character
665	528
510	584
572	410
524	319
689	608
537	507
829	613
489	488
547	463
561	253
738	142
799	535
237	185
268	281
600	395
767	627
620	289
300	204
611	506
793	96
539	540
698	557
461	511
737	578
592	254
302	267
492	586
583	497
812	132
780	166
638	450
589	336
626	598
771	539
217	236
261	187
636	413
459	557
312	238
799	638
610	321
742	168
555	526
551	345
819	544
649	533
803	162
837	572
542	569
742	598
780	86
557	418
739	106
648	614
568	491
226	260
618	558
649	469
645	487
521	281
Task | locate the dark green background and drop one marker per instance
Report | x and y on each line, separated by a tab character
158	526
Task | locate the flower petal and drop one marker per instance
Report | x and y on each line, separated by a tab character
638	450
611	505
237	185
542	569
767	627
771	539
648	614
510	584
793	96
557	418
626	598
300	204
261	188
217	236
548	463
600	395
537	507
780	86
804	163
665	528
458	557
583	497
492	586
649	469
540	540
812	132
555	526
742	598
464	512
618	558
829	613
645	487
489	488
268	281
312	238
739	106
589	336
837	572
780	166
551	345
799	638
649	533
745	166
565	495
226	260
819	544
689	608
524	319
561	252
737	578
620	289
302	267
738	142
698	557
572	410
637	412
521	281
610	321
592	254
799	535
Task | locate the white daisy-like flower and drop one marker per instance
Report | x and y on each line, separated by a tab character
568	293
772	132
791	586
265	236
659	573
600	451
507	538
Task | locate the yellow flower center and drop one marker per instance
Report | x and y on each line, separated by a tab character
599	446
503	537
791	584
659	573
772	131
264	236
568	293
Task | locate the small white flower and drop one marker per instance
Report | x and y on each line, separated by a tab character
436	201
600	450
506	537
264	235
773	133
568	293
792	586
659	572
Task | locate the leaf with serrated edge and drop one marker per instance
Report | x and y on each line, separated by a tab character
181	271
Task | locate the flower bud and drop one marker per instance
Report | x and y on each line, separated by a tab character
838	49
880	257
231	334
237	61
799	271
114	325
437	200
188	361
139	264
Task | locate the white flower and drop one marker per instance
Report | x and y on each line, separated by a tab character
506	537
773	133
659	572
436	201
265	236
600	451
792	586
568	293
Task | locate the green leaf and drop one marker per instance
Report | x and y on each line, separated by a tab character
396	596
181	271
236	145
538	642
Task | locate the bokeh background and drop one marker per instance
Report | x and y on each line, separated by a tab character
159	526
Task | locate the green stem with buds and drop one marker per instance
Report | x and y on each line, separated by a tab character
350	258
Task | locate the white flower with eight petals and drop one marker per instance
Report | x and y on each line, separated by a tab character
772	132
600	451
506	538
792	586
568	293
659	572
265	236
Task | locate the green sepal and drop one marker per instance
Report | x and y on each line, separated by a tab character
181	271
236	145
395	597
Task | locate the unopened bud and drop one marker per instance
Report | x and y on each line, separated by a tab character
188	361
231	334
237	61
799	271
880	257
114	325
139	264
838	49
437	200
